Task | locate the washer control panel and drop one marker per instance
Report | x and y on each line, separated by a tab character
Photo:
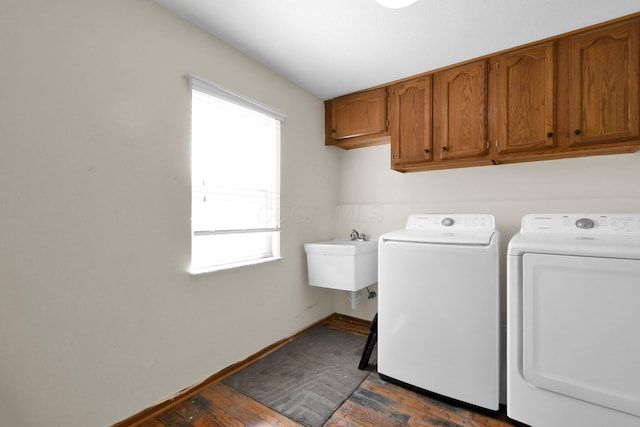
451	222
598	224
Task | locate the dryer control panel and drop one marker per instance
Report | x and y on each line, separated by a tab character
588	224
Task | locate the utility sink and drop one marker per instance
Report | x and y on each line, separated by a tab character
347	265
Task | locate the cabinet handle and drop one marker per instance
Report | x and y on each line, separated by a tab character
577	132
426	151
549	134
444	148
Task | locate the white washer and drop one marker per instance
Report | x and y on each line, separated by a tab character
438	307
573	315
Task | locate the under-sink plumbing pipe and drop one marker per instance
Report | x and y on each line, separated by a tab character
354	298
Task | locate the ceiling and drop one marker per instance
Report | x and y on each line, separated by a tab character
333	47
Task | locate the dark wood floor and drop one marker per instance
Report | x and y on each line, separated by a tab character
375	403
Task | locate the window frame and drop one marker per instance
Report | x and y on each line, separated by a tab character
272	241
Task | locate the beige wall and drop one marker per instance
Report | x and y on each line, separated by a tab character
98	316
374	199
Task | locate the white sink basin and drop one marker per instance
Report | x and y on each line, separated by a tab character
348	265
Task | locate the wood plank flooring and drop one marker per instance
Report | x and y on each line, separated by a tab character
375	403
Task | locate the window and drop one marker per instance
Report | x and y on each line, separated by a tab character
235	179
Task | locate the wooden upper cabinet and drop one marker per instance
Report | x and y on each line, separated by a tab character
572	95
604	92
410	122
357	119
523	100
460	113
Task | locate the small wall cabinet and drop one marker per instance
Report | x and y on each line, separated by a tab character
440	121
591	96
358	119
572	95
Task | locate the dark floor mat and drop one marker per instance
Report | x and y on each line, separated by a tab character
308	378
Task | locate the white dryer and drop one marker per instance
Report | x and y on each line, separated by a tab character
573	316
438	306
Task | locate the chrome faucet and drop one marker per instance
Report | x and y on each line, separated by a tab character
357	236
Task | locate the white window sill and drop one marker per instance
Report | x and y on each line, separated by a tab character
214	268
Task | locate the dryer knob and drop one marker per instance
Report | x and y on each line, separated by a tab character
584	223
447	222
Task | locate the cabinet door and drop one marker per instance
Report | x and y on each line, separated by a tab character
460	111
359	114
605	70
410	121
523	100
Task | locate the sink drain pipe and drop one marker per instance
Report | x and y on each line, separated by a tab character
354	298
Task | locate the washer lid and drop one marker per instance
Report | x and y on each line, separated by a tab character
469	238
453	229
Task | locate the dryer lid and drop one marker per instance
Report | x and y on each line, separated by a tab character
594	235
582	224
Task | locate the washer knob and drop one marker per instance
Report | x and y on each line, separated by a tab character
447	222
584	223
